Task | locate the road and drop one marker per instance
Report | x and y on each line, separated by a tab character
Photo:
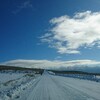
52	87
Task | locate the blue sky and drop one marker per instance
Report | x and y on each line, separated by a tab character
25	23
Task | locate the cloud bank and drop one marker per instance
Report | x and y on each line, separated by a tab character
69	34
47	64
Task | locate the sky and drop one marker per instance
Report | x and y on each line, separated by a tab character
62	30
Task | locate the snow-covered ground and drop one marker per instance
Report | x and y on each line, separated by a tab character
49	87
4	77
82	76
13	84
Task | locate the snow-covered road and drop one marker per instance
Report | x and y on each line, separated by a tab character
52	87
49	87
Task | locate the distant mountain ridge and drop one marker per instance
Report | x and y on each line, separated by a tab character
74	65
86	69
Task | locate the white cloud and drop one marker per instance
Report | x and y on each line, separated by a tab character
25	4
58	58
68	34
56	64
